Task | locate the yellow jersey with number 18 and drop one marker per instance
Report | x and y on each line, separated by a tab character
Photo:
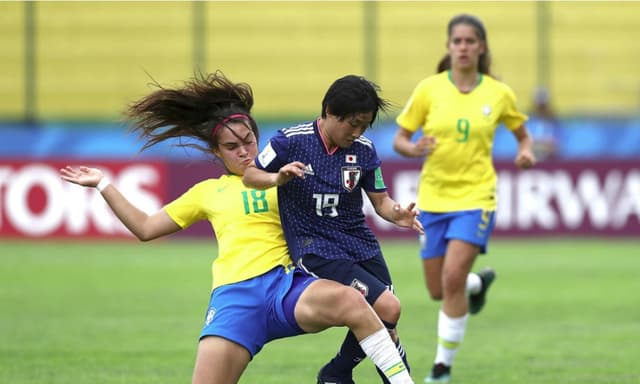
459	174
246	223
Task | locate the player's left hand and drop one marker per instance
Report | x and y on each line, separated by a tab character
407	217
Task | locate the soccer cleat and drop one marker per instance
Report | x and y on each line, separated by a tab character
440	373
325	377
477	300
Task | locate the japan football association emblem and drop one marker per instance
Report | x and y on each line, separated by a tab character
350	177
361	287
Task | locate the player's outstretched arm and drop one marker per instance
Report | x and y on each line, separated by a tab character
261	179
145	227
388	209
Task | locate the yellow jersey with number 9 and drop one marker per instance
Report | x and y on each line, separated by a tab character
459	174
246	223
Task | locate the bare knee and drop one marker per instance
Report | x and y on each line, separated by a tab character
435	295
349	305
454	281
435	289
388	307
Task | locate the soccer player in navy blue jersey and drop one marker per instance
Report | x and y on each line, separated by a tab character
321	168
257	296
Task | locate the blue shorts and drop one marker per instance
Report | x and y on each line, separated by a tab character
473	227
371	277
255	311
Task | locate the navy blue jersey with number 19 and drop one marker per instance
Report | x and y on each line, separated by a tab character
322	213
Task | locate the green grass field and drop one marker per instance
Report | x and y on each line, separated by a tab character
561	311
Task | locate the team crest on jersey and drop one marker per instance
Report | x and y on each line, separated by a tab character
360	286
350	177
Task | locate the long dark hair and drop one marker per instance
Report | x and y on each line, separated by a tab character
198	110
484	61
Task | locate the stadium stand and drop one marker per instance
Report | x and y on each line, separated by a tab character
92	57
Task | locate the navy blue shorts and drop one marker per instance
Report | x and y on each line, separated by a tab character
371	277
256	311
473	226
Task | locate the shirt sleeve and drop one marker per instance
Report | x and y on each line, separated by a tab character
187	209
372	180
414	113
511	117
275	154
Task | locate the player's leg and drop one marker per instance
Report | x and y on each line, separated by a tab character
433	247
387	305
219	361
432	270
478	283
458	261
452	318
432	254
463	247
348	272
327	303
477	287
232	332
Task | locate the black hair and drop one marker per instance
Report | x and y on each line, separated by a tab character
353	94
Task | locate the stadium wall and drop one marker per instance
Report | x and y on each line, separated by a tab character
86	59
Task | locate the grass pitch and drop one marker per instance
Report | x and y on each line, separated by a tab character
560	311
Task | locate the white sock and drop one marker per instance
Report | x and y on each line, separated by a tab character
474	283
382	351
450	335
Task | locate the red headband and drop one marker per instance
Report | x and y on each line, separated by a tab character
226	120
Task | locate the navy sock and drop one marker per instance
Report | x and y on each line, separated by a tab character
350	355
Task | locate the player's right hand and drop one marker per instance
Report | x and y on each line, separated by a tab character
289	171
425	145
85	176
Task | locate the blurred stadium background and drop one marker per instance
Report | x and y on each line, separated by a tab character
567	232
68	69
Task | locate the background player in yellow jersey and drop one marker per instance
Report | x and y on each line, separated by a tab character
257	295
458	110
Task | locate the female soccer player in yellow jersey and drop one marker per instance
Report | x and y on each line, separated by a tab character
458	110
257	294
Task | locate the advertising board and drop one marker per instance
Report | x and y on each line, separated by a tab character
585	198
